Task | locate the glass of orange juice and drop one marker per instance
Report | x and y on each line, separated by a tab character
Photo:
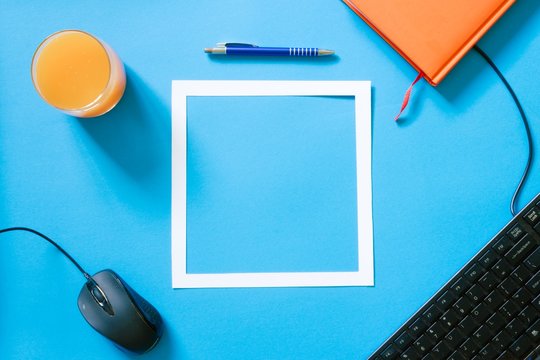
78	73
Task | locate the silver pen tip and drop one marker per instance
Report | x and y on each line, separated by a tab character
326	52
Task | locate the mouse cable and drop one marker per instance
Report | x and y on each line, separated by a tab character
86	275
525	123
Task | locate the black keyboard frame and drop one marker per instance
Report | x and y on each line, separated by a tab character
519	218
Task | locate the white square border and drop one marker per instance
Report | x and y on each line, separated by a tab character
181	89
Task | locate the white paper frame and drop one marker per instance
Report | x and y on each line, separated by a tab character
361	90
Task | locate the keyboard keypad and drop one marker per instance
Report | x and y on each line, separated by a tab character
489	310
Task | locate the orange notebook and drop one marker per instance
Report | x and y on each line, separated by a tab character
432	35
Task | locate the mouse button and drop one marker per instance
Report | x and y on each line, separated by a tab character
97	295
93	313
112	291
122	329
120	298
100	298
150	315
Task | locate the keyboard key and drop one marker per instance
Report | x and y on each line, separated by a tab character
509	309
522	297
521	346
516	233
454	338
440	350
476	293
467	325
488	352
508	287
432	313
515	328
436	332
410	354
456	355
474	272
488	281
446	299
417	327
533	216
534	332
463	305
501	341
403	341
521	274
494	300
533	261
460	286
536	303
534	284
537	228
528	315
450	318
390	353
495	323
480	313
482	335
520	250
489	258
503	245
423	344
501	268
468	348
506	356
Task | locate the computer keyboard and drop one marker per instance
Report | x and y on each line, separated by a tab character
489	310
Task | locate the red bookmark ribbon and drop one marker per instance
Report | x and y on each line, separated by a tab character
407	96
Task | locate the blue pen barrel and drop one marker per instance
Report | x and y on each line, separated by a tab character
272	51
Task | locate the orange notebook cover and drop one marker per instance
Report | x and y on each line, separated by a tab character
432	35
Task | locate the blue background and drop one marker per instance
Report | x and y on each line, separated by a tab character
442	178
271	184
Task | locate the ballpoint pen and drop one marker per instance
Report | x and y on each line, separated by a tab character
254	50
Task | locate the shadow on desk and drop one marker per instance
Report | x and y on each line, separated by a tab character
273	60
135	137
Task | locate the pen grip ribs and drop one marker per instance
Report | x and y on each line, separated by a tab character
273	51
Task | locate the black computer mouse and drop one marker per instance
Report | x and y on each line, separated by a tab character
117	312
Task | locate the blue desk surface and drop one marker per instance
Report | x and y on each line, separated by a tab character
442	178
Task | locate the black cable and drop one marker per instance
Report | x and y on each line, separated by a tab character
85	274
525	123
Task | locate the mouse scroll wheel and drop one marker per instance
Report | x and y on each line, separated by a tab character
98	295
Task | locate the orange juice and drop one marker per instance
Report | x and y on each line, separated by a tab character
77	73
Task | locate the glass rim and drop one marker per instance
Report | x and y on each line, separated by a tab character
35	57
